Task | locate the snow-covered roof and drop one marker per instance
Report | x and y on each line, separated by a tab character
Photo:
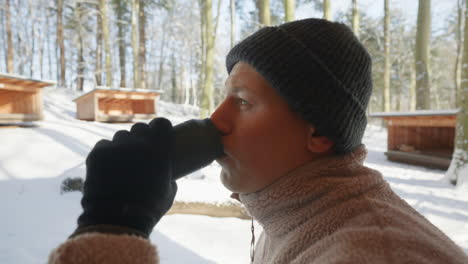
24	78
417	113
126	89
120	89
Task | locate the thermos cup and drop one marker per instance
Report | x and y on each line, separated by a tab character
197	144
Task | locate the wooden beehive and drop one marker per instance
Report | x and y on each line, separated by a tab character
21	98
116	105
421	137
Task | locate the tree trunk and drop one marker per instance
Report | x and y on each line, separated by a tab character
422	55
10	67
207	103
120	11
193	89
386	75
289	8
190	86
48	43
187	87
61	42
142	44
412	105
19	42
436	91
232	7
98	70
174	80
263	7
32	50
201	79
327	10
459	42
355	15
41	57
80	57
41	49
162	56
57	57
81	66
3	39
181	84
458	171
135	42
106	37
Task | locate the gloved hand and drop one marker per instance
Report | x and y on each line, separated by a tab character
129	184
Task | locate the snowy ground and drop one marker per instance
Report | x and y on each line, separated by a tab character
36	217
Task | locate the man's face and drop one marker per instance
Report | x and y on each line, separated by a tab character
263	139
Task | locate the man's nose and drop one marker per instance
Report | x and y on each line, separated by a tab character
221	118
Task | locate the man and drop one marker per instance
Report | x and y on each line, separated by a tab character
292	125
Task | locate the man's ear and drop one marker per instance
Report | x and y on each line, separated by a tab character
318	144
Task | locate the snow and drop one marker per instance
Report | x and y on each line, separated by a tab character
458	172
36	217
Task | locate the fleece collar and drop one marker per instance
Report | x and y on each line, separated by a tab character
309	190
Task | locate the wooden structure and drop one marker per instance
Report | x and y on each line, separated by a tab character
421	137
116	105
20	98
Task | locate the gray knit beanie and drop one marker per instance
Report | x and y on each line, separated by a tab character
322	71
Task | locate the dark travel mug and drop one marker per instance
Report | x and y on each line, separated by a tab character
197	144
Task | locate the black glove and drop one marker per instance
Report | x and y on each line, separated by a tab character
129	184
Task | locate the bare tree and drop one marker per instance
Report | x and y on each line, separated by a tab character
232	8
263	7
10	67
98	69
175	92
289	8
201	4
135	42
162	56
401	57
61	42
32	48
459	43
386	75
23	34
355	17
142	44
458	171
422	55
80	57
77	23
327	9
40	39
103	7
121	9
3	38
207	103
48	43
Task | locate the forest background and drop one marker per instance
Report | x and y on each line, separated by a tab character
179	46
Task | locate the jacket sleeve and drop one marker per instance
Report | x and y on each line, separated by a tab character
96	248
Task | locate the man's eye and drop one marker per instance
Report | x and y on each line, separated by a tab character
241	102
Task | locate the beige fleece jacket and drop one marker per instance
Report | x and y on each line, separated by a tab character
95	248
335	210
